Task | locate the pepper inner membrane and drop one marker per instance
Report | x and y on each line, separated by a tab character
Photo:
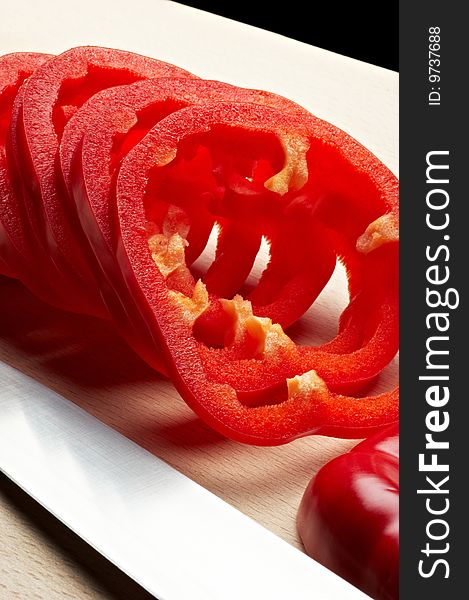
217	179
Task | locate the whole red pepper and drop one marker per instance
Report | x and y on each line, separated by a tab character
348	518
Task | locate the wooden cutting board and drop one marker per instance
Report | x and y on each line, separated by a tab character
86	362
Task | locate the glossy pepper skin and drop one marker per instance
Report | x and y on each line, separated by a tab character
257	386
348	518
40	112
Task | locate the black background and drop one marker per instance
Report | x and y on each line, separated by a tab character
365	32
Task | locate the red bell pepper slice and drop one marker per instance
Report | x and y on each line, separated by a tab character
279	175
40	112
348	518
14	69
258	362
93	145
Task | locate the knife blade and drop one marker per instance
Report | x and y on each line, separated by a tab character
171	535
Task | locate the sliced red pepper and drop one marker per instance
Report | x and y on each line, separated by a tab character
348	518
14	69
256	172
320	170
46	103
93	145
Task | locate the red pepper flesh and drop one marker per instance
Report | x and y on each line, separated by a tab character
259	361
14	69
48	100
117	205
94	142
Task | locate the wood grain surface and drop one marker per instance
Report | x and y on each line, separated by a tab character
84	360
41	559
